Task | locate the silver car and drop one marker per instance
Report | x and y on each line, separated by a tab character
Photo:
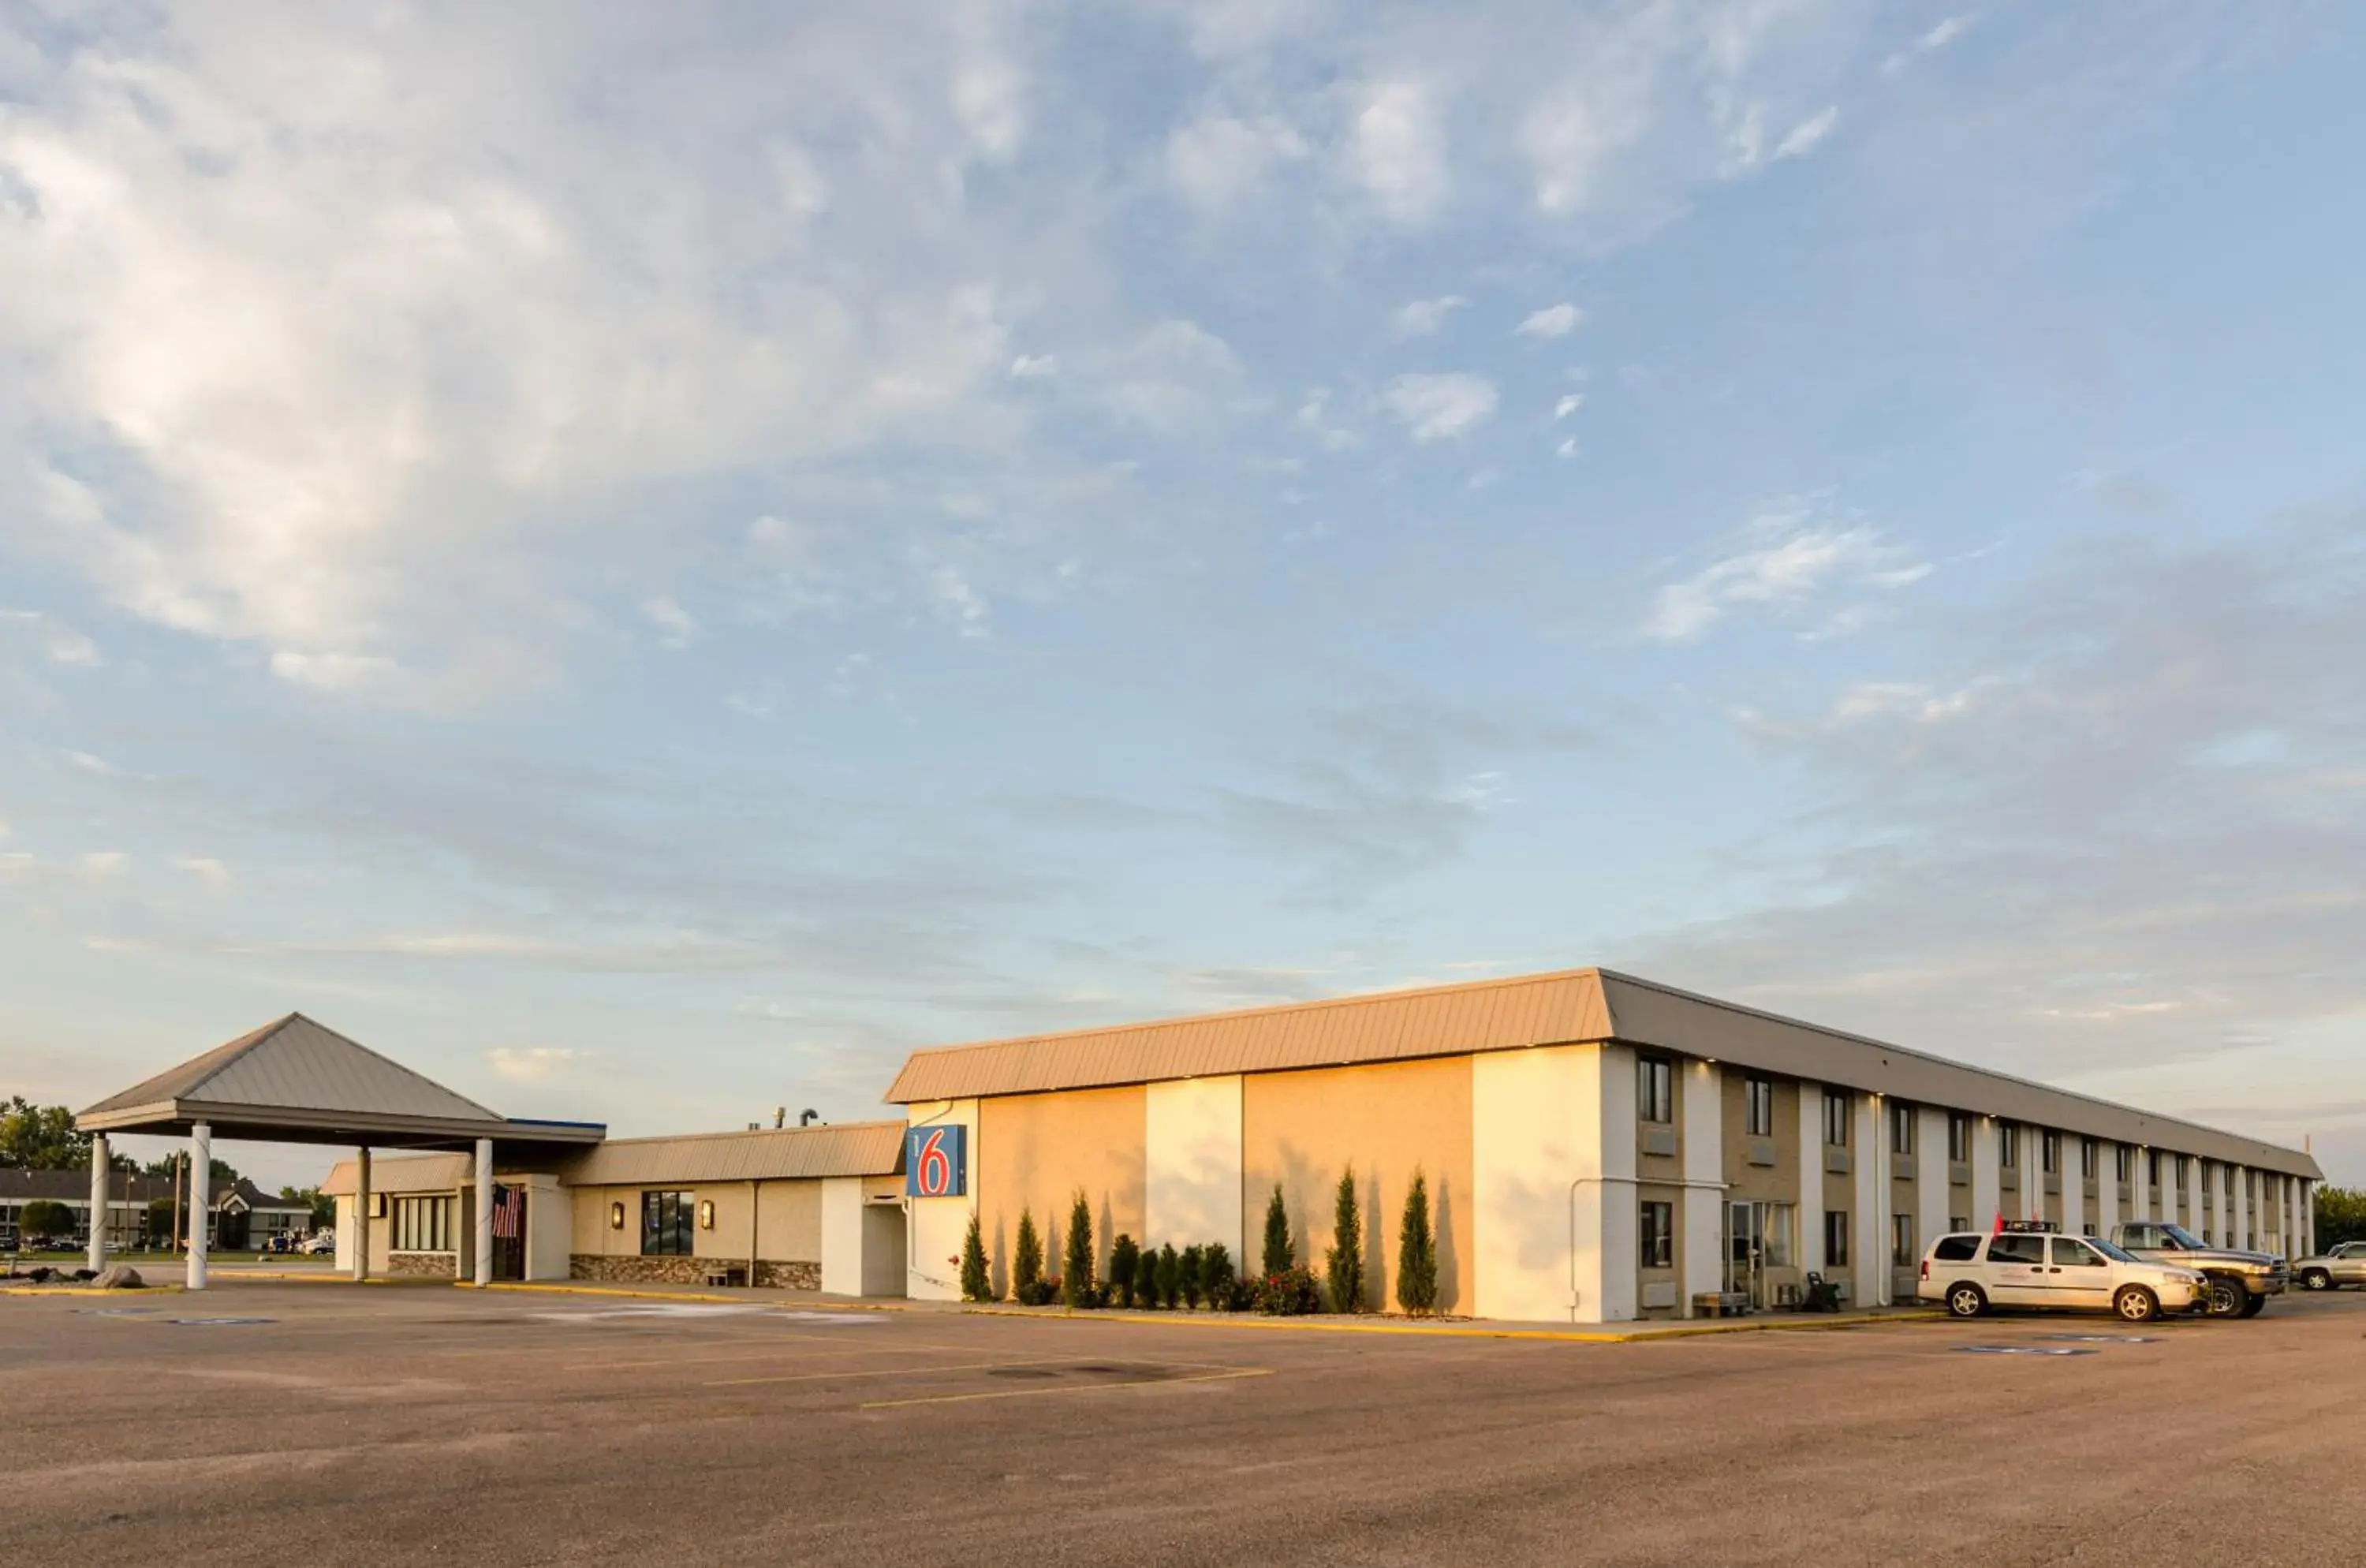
2343	1264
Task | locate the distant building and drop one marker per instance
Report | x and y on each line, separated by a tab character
241	1215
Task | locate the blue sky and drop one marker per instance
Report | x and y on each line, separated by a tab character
648	565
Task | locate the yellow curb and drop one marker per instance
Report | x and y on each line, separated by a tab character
552	1288
89	1289
1468	1331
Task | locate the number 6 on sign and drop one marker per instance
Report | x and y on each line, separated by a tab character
935	1162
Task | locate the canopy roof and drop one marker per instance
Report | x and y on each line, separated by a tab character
296	1081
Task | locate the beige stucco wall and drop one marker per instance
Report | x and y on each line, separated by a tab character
1036	1150
1303	1129
787	1221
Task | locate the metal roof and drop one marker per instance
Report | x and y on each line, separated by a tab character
405	1173
296	1080
1568	1007
855	1148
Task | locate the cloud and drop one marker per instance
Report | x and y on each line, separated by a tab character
1569	403
1805	137
212	872
58	643
1425	318
1033	367
1219	160
1551	322
529	1064
1441	407
1397	151
1788	557
333	672
1943	33
675	625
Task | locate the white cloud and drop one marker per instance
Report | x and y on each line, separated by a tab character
1218	160
1567	449
1440	407
1033	367
1808	133
1398	153
89	763
1425	318
1173	377
960	602
676	626
1551	322
60	643
529	1064
1314	418
1569	404
1788	557
206	869
332	671
1944	33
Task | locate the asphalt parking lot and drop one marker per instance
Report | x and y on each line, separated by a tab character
316	1424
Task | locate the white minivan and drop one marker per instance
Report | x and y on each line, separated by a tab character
2027	1265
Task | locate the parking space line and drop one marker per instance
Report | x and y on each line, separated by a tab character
1226	1376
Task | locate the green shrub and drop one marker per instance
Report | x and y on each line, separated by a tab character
1040	1291
1417	1252
1027	1260
1343	1264
1145	1279
976	1281
1292	1293
1280	1255
1216	1279
1076	1267
1187	1276
46	1219
2341	1216
1170	1277
1124	1257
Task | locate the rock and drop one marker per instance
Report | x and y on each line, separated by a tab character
119	1277
42	1275
85	1276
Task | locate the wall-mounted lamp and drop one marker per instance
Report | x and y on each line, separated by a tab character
706	1213
616	1216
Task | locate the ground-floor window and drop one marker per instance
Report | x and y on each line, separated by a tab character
1836	1237
1959	1221
1902	1252
666	1222
1779	1235
1656	1228
422	1224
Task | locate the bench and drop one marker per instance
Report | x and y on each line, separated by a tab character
731	1274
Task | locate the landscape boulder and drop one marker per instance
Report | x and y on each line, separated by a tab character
119	1277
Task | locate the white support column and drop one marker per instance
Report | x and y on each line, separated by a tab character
1987	1185
2193	1192
2307	1247
1931	1193
2239	1208
2032	1172
98	1185
485	1212
2140	1175
2107	1187
1704	1136
201	1204
1870	1262
2074	1184
1811	1177
361	1213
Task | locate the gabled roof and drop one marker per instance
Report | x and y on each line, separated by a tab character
1570	1007
298	1080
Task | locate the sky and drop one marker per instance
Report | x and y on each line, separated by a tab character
646	562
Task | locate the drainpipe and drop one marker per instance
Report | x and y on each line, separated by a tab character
755	1199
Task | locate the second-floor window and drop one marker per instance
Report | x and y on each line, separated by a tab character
2087	1154
2008	1146
1758	1106
2124	1164
1655	1088
2051	1148
1836	1118
1901	1128
1959	1138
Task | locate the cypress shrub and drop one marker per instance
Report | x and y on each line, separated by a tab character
1418	1251
1279	1255
1170	1277
1027	1259
976	1282
1145	1278
1076	1270
1343	1265
1124	1257
1187	1275
1216	1280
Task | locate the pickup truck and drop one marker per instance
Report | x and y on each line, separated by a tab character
2239	1282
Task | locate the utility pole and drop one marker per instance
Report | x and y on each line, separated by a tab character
173	1241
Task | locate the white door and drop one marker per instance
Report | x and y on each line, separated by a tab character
2016	1270
2079	1276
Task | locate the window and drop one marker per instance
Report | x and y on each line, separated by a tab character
422	1224
1758	1106
2184	1167
1836	1118
2141	1235
1959	1137
1902	1250
2017	1248
2049	1148
1779	1235
1901	1128
665	1220
2008	1146
1957	1249
1654	1089
2073	1254
2152	1167
1836	1233
2086	1158
1657	1230
1960	1222
2226	1173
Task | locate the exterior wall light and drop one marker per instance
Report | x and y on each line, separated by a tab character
616	1216
706	1213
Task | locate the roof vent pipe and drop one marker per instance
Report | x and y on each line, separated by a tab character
808	1115
779	1115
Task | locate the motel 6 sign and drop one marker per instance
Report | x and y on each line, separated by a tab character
935	1162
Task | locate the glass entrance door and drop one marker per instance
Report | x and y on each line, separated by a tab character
1745	1250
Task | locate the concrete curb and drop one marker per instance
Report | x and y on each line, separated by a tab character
1467	1331
90	1290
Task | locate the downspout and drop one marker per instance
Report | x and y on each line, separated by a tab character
755	1200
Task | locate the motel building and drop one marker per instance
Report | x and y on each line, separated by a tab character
1597	1148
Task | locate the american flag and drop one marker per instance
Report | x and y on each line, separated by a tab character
509	1212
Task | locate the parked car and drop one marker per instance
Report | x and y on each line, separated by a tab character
319	1242
2329	1270
2026	1266
2240	1281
